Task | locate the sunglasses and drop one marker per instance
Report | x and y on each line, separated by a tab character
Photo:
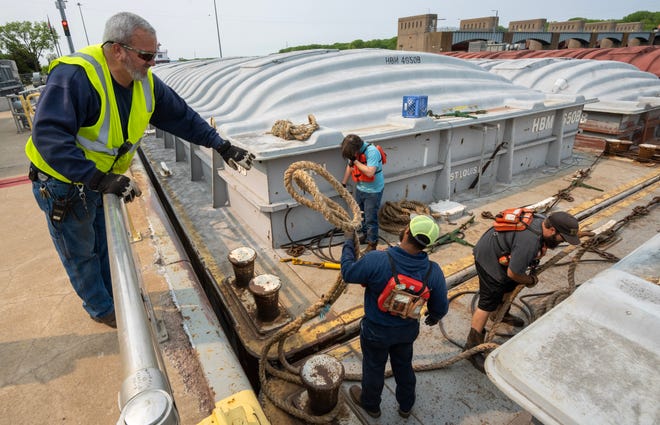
142	54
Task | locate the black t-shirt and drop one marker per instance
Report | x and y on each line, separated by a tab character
523	246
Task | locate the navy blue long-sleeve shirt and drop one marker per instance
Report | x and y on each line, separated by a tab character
374	271
69	102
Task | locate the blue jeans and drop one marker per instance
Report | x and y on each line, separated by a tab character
377	343
369	204
80	241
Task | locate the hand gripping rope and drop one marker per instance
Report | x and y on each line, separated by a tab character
300	174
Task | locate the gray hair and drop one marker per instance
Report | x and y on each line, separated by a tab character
120	27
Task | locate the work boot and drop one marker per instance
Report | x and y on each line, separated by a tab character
476	338
362	238
404	414
509	319
371	246
356	395
512	320
108	320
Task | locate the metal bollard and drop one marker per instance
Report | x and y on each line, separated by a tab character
322	376
265	289
242	261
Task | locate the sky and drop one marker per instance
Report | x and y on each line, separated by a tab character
187	28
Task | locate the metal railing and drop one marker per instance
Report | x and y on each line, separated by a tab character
145	396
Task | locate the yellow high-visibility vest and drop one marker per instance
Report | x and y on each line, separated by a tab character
101	141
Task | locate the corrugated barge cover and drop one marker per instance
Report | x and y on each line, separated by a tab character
613	83
516	130
347	91
646	58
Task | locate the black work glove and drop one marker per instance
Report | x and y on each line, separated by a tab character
235	156
430	320
117	184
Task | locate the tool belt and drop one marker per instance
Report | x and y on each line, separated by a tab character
35	174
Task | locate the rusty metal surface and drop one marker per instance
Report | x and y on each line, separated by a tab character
646	58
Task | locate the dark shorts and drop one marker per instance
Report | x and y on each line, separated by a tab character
491	290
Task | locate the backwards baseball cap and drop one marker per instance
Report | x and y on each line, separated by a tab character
424	229
566	225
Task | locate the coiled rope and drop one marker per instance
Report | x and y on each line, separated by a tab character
287	130
395	216
300	175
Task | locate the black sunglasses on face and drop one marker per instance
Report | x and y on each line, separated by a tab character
142	54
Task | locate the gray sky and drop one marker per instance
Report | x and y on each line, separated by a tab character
186	28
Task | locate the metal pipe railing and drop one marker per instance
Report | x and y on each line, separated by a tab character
145	396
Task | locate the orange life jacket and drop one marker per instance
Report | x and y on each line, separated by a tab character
404	296
362	157
513	220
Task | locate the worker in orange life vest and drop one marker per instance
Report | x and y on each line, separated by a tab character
502	260
365	165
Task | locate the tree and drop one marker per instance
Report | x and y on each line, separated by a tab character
25	42
649	20
356	44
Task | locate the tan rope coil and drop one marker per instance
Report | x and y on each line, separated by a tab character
395	216
300	173
287	130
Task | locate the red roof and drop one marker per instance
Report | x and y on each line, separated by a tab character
646	58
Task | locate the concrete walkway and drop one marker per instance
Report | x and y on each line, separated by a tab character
57	365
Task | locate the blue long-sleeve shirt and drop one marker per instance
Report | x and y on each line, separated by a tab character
69	102
374	271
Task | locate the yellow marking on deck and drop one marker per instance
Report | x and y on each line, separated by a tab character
240	408
607	195
311	334
458	265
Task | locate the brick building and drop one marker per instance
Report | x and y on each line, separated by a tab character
419	33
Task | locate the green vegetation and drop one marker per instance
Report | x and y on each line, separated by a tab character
649	20
387	43
25	42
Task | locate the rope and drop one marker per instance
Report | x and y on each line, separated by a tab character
580	176
285	129
333	212
391	215
555	297
299	173
591	244
395	216
481	348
